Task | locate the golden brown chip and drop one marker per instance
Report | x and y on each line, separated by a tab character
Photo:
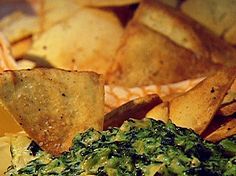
21	47
18	26
7	121
225	130
162	45
159	112
5	153
228	106
147	57
86	41
136	108
217	16
7	62
185	32
56	11
228	109
196	108
53	105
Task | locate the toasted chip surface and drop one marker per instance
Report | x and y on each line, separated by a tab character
85	41
53	105
18	26
55	11
6	60
147	57
162	45
218	16
185	32
159	112
196	108
136	109
225	130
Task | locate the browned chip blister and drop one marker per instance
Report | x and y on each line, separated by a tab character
53	105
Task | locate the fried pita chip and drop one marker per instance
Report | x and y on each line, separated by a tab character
52	105
136	108
18	26
225	130
147	57
5	153
228	109
7	121
196	108
217	16
7	62
86	41
55	11
161	45
185	32
21	47
159	112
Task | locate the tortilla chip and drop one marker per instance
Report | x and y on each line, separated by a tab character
7	121
225	130
21	47
7	62
55	11
136	109
228	109
5	153
196	108
159	112
18	25
228	106
147	57
185	32
52	105
217	16
161	45
86	41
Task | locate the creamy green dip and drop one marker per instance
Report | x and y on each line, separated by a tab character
139	147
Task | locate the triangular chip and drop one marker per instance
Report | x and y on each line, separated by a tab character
136	109
56	11
159	112
53	105
162	45
225	130
18	26
85	41
196	108
217	16
228	109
